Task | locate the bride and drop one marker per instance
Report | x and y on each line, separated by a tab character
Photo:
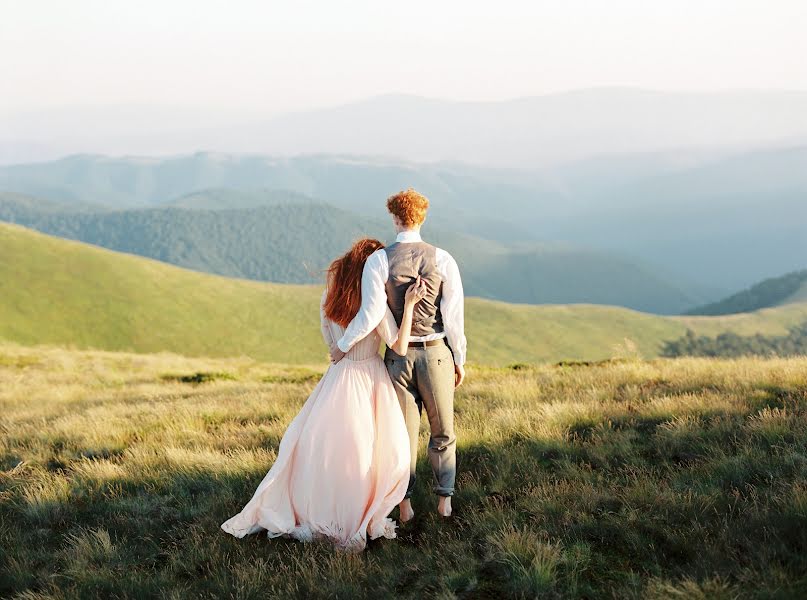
343	463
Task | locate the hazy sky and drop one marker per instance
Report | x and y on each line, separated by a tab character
275	56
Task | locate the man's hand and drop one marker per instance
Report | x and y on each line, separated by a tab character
336	354
459	375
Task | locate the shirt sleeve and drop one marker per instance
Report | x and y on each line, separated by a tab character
373	301
452	306
323	322
388	328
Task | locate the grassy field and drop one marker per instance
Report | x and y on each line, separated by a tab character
628	479
61	292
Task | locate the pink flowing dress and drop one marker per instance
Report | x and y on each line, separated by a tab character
343	462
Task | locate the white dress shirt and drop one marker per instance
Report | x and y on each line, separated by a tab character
374	300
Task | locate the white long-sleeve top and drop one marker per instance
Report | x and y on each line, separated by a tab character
366	348
374	300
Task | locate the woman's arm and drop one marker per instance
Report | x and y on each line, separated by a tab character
323	323
388	328
414	294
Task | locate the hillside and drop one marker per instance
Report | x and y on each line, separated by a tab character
55	291
294	243
228	198
283	243
62	292
16	207
774	291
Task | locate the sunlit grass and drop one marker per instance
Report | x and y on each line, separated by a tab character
629	479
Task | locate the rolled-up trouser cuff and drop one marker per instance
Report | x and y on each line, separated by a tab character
443	491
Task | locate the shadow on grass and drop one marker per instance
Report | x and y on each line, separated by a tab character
597	513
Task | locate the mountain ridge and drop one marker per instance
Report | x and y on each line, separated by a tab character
714	223
774	291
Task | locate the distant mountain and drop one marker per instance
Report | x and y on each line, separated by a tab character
526	132
480	202
720	221
227	198
728	222
115	301
294	243
775	291
26	206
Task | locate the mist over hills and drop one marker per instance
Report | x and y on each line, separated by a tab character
733	221
533	131
686	195
706	221
463	198
524	132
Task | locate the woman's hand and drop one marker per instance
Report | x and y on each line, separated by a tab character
336	354
416	292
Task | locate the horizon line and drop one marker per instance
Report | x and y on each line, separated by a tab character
407	95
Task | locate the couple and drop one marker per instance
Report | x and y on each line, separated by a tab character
348	457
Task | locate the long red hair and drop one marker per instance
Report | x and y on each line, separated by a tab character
343	299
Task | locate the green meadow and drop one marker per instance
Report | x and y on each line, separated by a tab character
628	478
141	403
56	291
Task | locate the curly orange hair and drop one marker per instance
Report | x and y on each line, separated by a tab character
410	207
343	299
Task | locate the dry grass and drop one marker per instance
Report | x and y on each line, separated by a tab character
665	479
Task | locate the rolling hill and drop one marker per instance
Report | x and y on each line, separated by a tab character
56	291
775	291
294	243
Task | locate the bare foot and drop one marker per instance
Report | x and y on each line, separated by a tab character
407	513
444	506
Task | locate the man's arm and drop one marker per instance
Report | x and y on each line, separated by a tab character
373	301
452	307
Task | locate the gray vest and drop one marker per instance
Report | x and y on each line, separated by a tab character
406	262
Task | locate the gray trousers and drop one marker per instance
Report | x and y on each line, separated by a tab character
425	378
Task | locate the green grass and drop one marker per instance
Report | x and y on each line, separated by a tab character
55	291
62	292
625	479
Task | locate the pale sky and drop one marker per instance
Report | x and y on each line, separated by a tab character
270	56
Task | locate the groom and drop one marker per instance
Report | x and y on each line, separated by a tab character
433	365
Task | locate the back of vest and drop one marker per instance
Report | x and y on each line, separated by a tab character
406	262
